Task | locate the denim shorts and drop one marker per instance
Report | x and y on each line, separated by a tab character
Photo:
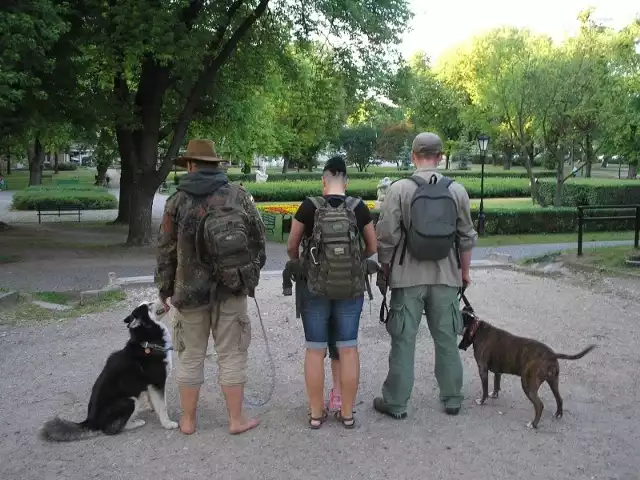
335	320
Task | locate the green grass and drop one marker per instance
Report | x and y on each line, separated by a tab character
60	298
551	238
19	180
9	258
611	257
26	313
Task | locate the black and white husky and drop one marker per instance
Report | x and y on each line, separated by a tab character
142	366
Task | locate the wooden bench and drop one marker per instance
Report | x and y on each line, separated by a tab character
61	211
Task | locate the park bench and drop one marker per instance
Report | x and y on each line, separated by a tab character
61	211
269	221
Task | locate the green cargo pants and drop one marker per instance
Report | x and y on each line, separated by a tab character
441	304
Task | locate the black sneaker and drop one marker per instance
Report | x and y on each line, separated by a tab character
452	410
380	405
287	292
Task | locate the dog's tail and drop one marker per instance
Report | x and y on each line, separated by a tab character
59	430
577	355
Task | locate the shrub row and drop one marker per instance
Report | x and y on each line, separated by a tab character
51	197
592	192
377	175
367	190
536	220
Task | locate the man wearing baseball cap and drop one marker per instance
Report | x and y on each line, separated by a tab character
424	276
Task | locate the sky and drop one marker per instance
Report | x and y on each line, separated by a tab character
441	24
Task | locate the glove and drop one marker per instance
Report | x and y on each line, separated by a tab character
372	267
294	269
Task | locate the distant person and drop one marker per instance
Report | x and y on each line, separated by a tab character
208	262
337	235
425	265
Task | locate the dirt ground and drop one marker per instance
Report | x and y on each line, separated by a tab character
49	369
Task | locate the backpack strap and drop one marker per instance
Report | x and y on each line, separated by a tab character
318	202
352	202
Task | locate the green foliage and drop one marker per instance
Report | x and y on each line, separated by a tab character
538	220
359	142
367	189
590	192
50	198
63	167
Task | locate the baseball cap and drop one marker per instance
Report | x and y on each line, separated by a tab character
427	144
335	164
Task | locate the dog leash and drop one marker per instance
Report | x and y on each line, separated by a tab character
464	298
272	373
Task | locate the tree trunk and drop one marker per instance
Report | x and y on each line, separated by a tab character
101	174
494	159
140	214
633	170
9	163
508	159
285	163
56	158
557	199
126	185
447	162
36	162
589	155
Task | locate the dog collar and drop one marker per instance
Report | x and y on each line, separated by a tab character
154	347
474	329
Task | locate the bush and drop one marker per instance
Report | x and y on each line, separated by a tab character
367	189
538	220
62	167
588	191
378	175
50	198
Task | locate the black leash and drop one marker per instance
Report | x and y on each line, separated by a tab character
464	298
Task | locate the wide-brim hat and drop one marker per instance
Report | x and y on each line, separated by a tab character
202	150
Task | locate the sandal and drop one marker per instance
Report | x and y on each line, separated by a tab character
316	422
347	422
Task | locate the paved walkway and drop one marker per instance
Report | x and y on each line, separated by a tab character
49	370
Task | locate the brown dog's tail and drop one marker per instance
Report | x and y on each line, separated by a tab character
577	355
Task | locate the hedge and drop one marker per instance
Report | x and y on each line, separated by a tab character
50	198
378	175
537	220
592	192
367	189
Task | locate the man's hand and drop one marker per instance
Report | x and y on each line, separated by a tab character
166	302
466	279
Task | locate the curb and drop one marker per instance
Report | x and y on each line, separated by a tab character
8	298
148	280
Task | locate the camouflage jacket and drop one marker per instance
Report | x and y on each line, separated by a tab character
179	274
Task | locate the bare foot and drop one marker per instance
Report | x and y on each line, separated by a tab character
241	427
187	425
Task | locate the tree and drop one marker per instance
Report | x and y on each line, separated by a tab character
162	73
392	141
359	143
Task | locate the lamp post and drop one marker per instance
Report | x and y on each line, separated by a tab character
483	145
634	130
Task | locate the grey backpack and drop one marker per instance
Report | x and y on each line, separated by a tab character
431	233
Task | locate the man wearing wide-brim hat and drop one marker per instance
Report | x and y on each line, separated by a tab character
209	261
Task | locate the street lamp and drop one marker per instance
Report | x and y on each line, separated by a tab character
483	145
634	130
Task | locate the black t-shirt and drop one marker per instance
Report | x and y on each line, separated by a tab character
307	210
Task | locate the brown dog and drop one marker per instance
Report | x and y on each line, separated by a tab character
501	352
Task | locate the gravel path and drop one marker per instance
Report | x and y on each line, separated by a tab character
49	370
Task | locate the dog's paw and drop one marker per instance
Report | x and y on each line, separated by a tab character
493	395
531	425
479	401
557	415
170	425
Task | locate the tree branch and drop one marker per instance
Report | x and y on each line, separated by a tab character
209	73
